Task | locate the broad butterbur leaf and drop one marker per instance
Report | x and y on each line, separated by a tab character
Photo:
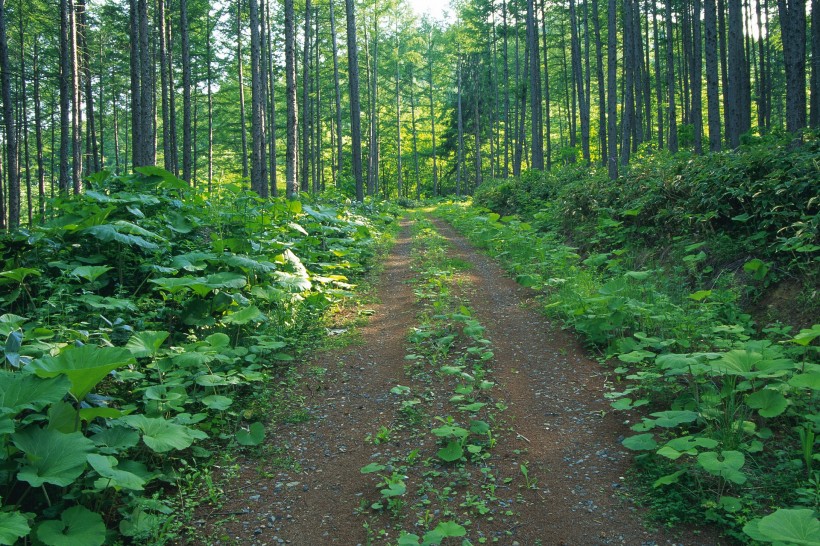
77	526
162	435
788	526
727	464
20	391
254	436
84	366
146	343
13	525
111	476
767	402
451	452
51	456
640	442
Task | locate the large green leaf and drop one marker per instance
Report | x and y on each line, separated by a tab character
251	437
162	435
84	366
19	391
451	452
767	402
116	439
111	476
146	343
671	419
77	526
640	442
13	525
789	526
119	232
244	316
51	456
727	464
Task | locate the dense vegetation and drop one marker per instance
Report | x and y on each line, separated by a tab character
665	274
142	329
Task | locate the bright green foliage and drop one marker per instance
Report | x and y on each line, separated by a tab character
136	324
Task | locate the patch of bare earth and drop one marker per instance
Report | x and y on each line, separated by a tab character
557	423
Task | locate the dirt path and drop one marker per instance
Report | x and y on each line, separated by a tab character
557	422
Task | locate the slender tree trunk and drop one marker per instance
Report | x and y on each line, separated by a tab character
38	134
373	152
413	129
399	181
355	106
793	29
165	90
477	122
736	63
724	68
433	116
172	103
337	97
762	80
628	114
271	94
258	167
210	94
612	89
547	113
506	91
460	121
697	70
24	118
147	116
537	141
814	120
712	91
11	134
76	113
243	128
187	144
292	185
599	73
305	186
658	78
577	72
92	160
670	80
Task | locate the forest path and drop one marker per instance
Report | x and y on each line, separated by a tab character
557	423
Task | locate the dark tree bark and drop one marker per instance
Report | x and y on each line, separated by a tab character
599	73
147	138
724	66
24	119
506	171
210	95
292	184
460	156
271	94
12	167
373	152
399	181
414	133
187	144
172	103
243	128
433	114
577	72
338	98
355	105
65	95
305	172
628	113
165	89
658	76
793	30
612	97
712	91
537	142
763	77
76	114
697	70
736	66
814	120
258	166
38	131
670	80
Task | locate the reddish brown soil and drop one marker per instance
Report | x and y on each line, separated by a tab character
557	422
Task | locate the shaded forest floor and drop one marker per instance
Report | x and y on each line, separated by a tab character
550	471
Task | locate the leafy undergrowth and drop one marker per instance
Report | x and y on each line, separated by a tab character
447	484
653	272
144	327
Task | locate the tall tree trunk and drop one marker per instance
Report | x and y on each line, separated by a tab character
292	185
399	181
338	98
670	80
737	63
243	128
433	115
258	167
814	120
373	152
793	29
24	118
165	89
147	116
658	78
460	121
697	70
628	114
305	186
506	91
724	67
712	91
537	141
271	94
612	90
413	130
38	135
547	112
65	97
12	167
762	81
76	113
210	94
355	106
577	72
187	144
172	102
599	73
